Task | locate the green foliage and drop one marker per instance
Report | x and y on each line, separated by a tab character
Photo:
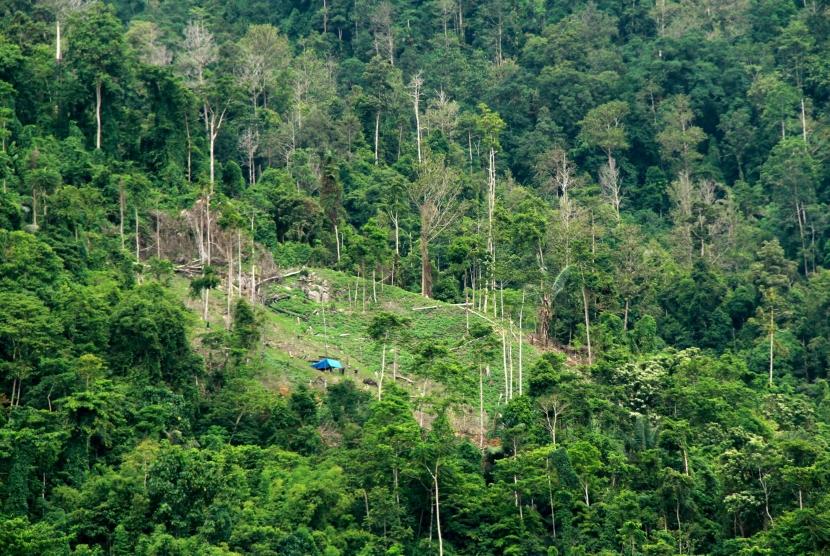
629	215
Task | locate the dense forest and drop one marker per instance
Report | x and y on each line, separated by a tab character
626	204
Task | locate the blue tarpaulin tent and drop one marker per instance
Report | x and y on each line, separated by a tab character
327	364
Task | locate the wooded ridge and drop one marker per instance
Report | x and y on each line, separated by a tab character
574	257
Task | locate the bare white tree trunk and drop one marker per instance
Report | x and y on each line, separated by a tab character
121	208
481	406
382	371
229	293
491	208
504	365
587	325
98	101
137	236
189	149
416	84
771	343
437	511
253	264
377	135
521	370
337	240
58	55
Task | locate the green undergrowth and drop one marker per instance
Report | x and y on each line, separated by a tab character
439	346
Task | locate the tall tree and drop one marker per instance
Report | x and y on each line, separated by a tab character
98	56
435	194
603	128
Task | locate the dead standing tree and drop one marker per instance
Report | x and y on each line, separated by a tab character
199	52
435	194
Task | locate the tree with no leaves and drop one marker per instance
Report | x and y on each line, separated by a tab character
435	194
603	128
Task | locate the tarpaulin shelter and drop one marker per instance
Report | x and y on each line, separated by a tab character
327	364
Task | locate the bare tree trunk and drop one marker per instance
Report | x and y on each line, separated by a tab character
550	499
121	207
253	264
377	135
481	406
158	233
587	324
426	269
438	512
625	317
382	371
765	487
504	365
337	240
58	55
491	207
98	101
803	121
189	149
239	261
229	293
137	236
417	81
510	356
521	370
771	343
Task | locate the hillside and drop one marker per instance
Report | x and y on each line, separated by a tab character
294	333
574	254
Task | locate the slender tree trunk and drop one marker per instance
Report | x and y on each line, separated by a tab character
229	293
550	499
771	343
426	269
253	263
481	407
337	240
98	101
158	233
121	207
803	121
685	461
764	486
137	236
625	317
438	513
416	101
491	207
377	135
58	55
382	371
521	370
587	324
504	365
189	149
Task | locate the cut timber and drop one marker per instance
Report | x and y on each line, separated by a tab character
425	308
279	276
287	312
